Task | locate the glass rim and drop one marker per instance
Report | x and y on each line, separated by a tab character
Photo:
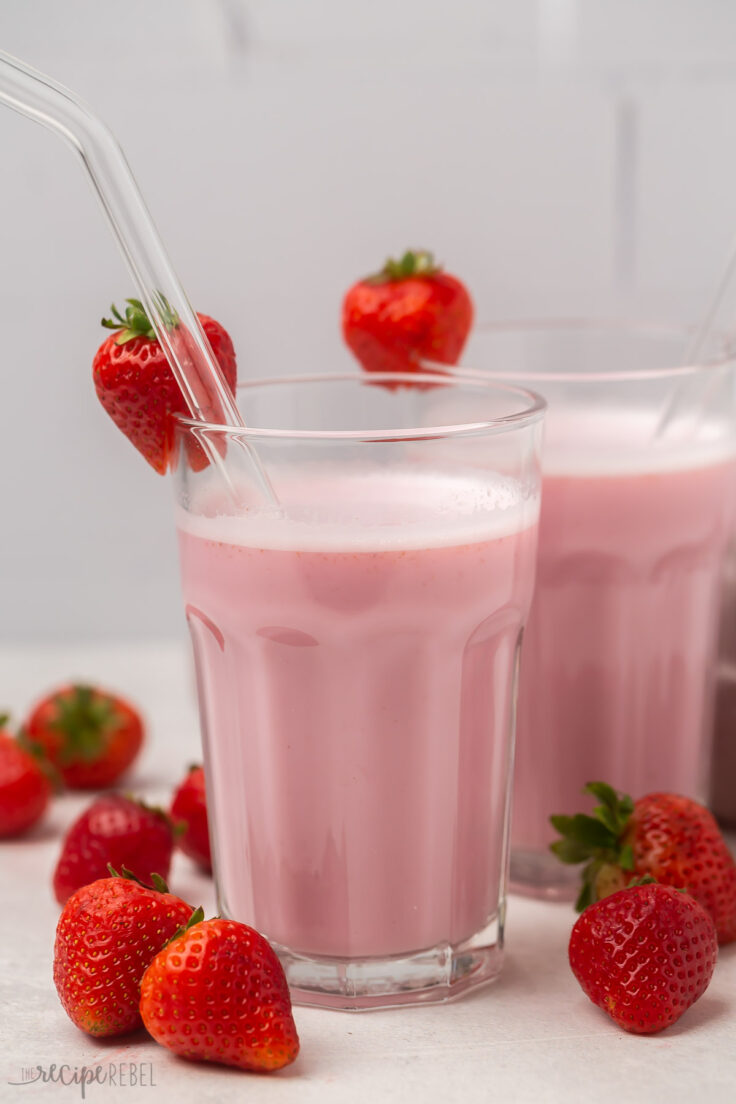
531	413
582	325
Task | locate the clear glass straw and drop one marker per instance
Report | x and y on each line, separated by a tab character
697	347
703	334
187	349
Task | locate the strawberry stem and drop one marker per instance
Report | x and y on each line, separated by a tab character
38	753
85	717
136	322
157	882
155	810
196	918
414	264
596	840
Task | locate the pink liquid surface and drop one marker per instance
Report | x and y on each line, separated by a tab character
357	705
617	671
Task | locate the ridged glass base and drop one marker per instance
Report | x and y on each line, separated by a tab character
430	976
540	874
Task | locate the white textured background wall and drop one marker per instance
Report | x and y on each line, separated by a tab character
562	155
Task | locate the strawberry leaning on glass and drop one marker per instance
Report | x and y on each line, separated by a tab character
189	814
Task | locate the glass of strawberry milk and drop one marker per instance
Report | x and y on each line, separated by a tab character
639	490
723	764
356	651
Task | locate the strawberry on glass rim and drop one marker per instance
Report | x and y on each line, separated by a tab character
137	388
411	311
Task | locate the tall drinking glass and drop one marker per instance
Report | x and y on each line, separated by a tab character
356	653
639	487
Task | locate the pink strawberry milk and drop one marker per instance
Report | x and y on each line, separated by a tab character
638	504
616	682
356	656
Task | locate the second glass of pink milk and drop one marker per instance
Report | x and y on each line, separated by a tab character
639	493
723	766
356	646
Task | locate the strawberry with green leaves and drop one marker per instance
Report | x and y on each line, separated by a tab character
107	935
88	735
217	993
665	836
411	311
644	955
137	388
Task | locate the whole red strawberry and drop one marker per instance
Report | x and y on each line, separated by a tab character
189	809
24	787
411	311
670	838
644	955
137	388
678	842
107	935
89	735
218	993
117	831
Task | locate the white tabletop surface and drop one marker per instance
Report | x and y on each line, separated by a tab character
532	1036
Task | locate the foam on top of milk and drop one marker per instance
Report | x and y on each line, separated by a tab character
367	511
610	442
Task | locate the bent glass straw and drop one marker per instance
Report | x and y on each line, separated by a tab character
186	347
